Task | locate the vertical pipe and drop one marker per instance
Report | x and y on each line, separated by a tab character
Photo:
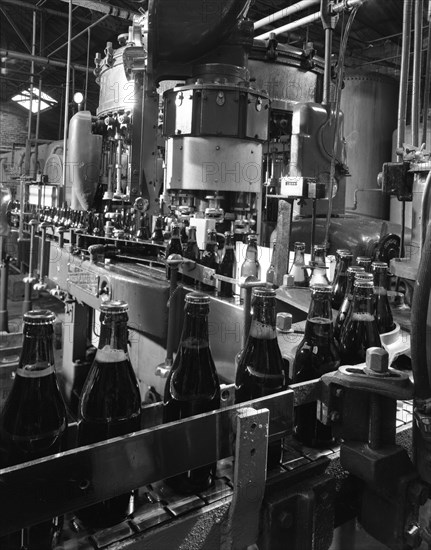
404	73
88	62
416	86
4	274
327	73
66	102
427	85
30	113
36	135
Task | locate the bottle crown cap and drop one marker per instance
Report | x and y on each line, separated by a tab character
263	292
363	259
321	288
39	317
299	244
364	276
114	306
363	283
379	266
345	254
356	269
197	298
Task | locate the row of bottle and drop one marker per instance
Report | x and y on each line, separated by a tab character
210	256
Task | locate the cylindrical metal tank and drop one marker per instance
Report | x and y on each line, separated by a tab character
369	102
288	78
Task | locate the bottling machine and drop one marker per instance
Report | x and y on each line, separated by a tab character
199	123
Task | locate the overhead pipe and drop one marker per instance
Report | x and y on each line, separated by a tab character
66	102
104	7
285	12
291	26
39	60
404	74
416	84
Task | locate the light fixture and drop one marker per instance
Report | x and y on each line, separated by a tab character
78	98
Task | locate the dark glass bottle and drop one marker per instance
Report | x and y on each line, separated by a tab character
250	265
209	256
227	265
340	279
270	273
260	368
157	235
174	246
298	271
365	262
192	386
34	419
191	252
348	297
319	276
359	330
384	318
316	355
110	403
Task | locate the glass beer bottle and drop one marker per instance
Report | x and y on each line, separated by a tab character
340	279
359	330
319	276
260	369
316	355
110	403
227	265
34	419
298	271
348	297
191	252
174	246
192	386
365	262
384	318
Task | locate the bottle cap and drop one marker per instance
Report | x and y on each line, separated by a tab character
379	266
364	276
363	283
263	292
39	317
377	360
114	306
356	269
299	244
284	322
321	288
197	298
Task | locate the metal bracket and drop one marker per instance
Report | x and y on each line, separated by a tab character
241	527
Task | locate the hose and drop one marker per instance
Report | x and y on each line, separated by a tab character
419	313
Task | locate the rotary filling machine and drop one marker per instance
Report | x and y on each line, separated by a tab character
202	151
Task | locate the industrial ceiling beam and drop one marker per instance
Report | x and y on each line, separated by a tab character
16	29
104	7
79	34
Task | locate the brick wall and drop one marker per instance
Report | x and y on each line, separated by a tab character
13	125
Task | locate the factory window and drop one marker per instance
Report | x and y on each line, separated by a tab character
24	97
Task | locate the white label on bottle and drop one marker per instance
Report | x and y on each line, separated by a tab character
109	355
37	370
261	331
315	350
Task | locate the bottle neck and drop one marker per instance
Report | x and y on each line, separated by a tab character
299	257
195	324
363	300
263	319
113	332
37	356
380	282
251	252
320	257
